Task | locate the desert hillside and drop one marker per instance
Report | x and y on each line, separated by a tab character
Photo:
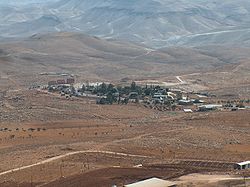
94	59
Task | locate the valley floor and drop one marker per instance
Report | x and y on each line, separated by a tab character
47	138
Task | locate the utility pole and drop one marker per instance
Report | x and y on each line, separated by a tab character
87	164
61	172
31	180
244	177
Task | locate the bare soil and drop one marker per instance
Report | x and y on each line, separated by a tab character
42	126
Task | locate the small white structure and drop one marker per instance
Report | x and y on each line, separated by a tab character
138	166
209	107
188	110
242	165
153	182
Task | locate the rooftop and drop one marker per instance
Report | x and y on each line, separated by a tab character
244	163
188	110
185	101
210	106
153	182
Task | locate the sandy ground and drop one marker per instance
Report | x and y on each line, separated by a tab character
42	150
48	137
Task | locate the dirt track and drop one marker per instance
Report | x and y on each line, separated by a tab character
86	131
69	154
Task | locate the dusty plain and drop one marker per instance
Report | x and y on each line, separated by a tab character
45	128
47	140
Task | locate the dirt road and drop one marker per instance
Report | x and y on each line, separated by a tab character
70	154
179	79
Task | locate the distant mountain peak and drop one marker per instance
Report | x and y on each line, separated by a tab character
156	23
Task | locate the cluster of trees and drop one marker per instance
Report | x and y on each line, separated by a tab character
100	90
142	91
123	94
104	89
237	103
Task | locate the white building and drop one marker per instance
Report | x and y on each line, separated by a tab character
188	110
209	107
153	182
243	165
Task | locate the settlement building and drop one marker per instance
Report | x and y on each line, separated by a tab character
153	182
188	110
70	81
185	102
61	81
209	107
242	165
52	83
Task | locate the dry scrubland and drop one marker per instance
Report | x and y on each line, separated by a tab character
94	59
42	126
106	142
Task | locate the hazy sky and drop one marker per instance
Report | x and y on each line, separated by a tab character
18	2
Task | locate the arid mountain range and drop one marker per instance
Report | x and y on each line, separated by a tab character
156	23
178	107
114	40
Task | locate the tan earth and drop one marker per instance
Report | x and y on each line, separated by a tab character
38	148
48	140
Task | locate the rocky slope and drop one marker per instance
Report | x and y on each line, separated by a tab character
156	23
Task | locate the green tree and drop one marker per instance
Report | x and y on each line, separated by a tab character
110	88
147	91
83	89
126	90
133	86
103	88
110	98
